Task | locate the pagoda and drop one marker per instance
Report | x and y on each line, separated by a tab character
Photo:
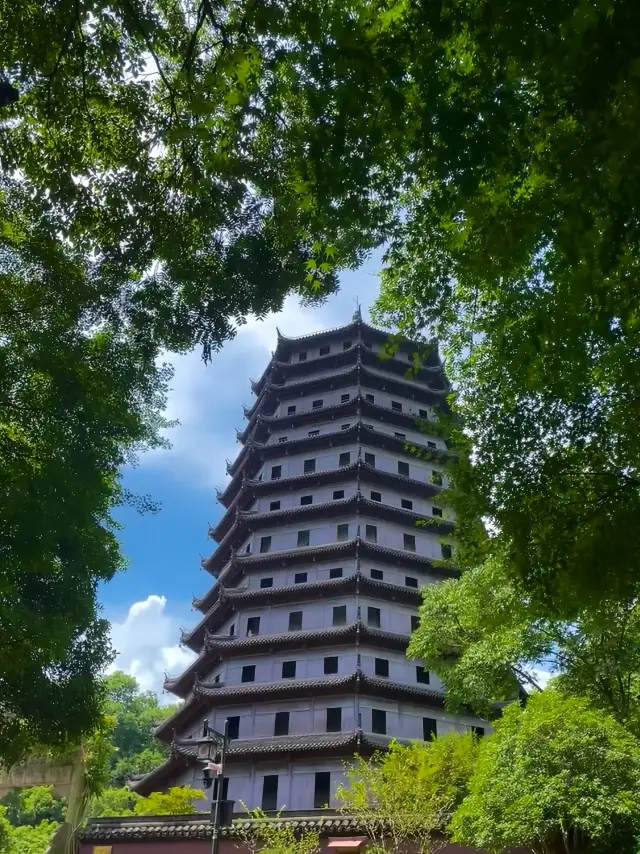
332	523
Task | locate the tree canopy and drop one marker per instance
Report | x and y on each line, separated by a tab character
175	168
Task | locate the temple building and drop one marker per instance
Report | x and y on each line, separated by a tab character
332	523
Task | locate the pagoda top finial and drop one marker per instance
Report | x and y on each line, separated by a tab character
357	314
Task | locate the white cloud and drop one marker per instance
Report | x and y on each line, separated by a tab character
207	399
145	644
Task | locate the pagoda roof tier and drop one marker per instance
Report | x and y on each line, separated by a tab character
247	522
331	744
230	600
222	647
273	392
252	520
281	370
251	488
207	695
349	548
254	453
263	425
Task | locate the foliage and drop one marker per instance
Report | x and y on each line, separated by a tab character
29	839
267	836
136	713
33	805
482	636
556	776
179	800
77	398
409	792
112	802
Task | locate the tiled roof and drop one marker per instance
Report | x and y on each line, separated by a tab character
161	828
229	600
223	646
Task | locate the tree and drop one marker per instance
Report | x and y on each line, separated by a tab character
269	836
33	805
136	713
483	637
409	792
556	777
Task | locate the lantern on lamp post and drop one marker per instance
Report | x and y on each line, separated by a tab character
212	749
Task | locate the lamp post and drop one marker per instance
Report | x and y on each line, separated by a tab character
210	745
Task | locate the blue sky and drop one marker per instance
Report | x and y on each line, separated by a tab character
149	602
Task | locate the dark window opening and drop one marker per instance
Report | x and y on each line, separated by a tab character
300	578
344	398
346	345
436	478
322	790
400	435
403	468
295	621
282	439
342	531
232	630
309	466
336	572
422	675
331	664
291	410
431	445
396	406
423	413
415	622
276	472
265	544
339	615
334	720
436	511
429	729
371	533
410	542
324	351
344	459
406	504
253	626
249	673
281	724
270	792
303	538
317	404
376	496
266	582
446	551
478	730
381	667
373	617
306	499
288	669
369	398
338	494
314	433
233	725
410	582
345	427
302	357
379	721
378	574
275	505
370	459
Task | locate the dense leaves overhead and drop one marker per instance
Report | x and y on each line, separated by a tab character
182	165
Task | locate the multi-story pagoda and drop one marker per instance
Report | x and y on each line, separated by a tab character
318	568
